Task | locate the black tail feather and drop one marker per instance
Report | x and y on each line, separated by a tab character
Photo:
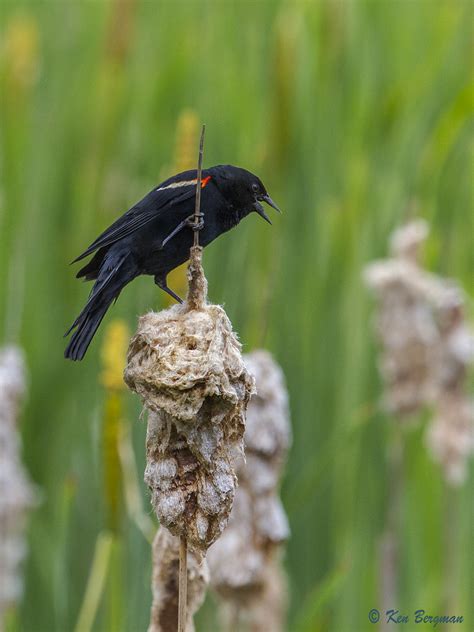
84	333
92	269
116	271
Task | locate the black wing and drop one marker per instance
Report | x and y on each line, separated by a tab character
159	199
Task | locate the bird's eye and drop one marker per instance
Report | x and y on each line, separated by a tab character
255	187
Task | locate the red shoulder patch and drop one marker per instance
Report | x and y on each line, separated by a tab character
204	181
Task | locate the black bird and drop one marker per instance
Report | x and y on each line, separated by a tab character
156	234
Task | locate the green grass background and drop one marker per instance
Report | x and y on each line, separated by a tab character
355	115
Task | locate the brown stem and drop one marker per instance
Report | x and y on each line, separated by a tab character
183	584
197	288
197	208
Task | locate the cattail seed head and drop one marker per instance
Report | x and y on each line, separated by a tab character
185	363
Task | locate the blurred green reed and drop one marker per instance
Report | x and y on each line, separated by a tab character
356	115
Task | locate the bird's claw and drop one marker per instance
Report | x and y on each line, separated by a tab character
199	225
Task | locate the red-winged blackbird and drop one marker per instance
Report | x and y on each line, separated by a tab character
156	234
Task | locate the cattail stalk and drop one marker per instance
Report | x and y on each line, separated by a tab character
197	209
164	610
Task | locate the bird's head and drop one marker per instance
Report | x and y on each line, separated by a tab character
243	190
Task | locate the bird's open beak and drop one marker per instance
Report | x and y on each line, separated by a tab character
270	202
259	208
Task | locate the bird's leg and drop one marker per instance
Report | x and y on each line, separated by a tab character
161	283
188	222
174	232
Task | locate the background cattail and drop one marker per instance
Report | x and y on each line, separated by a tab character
426	347
17	495
404	321
245	562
